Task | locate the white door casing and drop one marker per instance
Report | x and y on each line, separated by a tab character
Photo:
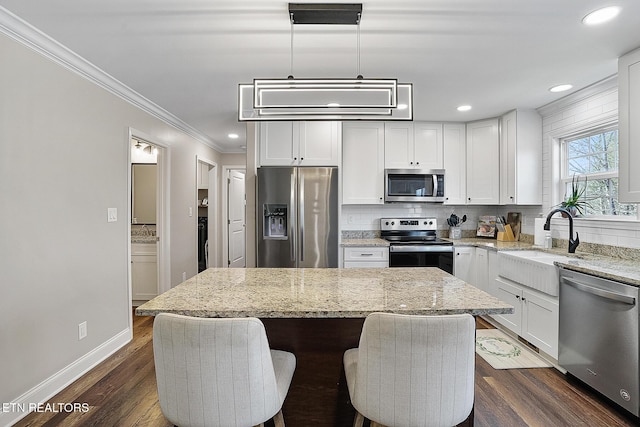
236	219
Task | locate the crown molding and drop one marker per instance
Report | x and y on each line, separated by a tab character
607	84
21	31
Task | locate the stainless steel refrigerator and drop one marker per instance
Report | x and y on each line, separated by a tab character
297	217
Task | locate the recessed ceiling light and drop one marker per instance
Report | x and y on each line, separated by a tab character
233	136
402	106
560	88
464	108
601	15
333	104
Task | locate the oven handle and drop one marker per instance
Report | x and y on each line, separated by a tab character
421	248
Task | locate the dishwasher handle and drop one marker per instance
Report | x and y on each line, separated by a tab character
600	292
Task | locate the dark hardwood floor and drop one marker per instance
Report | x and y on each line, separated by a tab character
121	391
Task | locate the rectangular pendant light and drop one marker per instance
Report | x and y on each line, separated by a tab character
326	98
320	93
319	107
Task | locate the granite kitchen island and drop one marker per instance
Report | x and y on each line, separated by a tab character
317	314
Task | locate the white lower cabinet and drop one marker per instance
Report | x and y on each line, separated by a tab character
144	271
535	316
366	256
463	263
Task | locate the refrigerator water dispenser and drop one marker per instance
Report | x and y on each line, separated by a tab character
275	221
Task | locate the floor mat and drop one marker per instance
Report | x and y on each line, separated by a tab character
503	352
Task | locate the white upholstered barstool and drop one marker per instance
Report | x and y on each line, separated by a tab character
413	371
219	372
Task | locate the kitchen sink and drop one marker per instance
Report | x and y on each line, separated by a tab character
534	269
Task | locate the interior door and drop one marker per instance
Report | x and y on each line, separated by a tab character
236	215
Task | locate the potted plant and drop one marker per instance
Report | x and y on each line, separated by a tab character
575	202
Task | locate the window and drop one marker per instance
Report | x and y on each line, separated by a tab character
594	157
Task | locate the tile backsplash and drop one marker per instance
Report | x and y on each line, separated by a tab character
367	217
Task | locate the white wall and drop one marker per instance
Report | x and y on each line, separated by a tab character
591	107
63	162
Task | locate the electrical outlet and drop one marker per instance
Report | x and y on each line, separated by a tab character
190	211
184	276
112	214
82	330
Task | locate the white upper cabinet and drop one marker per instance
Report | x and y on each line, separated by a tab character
455	164
362	163
299	143
483	163
398	145
521	158
277	144
416	145
629	127
319	143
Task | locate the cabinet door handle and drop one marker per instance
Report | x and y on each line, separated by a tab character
366	254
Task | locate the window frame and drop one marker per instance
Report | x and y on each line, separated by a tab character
565	179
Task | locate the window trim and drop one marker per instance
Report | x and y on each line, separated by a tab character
563	178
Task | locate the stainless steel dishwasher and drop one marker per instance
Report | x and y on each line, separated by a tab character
599	336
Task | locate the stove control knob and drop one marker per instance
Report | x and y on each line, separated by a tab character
393	223
386	223
430	222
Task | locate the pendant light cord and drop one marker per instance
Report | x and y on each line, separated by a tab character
291	52
358	49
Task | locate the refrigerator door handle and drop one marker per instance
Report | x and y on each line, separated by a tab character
292	217
301	217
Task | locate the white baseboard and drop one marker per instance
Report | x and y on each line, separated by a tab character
61	379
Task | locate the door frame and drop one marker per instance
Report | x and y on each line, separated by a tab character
162	214
225	211
212	211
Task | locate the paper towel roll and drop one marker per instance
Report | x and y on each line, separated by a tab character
539	234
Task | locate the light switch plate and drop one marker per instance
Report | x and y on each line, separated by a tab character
82	330
112	214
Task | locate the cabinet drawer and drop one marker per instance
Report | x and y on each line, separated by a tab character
366	264
366	254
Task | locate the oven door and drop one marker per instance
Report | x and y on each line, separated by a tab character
422	256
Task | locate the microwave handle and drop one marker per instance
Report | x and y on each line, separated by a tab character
435	184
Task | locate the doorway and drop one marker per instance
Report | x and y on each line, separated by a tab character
148	253
235	233
207	253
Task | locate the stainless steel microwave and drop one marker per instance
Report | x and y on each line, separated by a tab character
414	185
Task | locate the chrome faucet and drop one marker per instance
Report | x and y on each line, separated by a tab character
573	244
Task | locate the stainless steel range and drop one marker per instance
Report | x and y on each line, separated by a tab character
414	243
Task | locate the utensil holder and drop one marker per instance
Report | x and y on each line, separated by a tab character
455	233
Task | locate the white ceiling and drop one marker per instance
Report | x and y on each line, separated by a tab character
188	56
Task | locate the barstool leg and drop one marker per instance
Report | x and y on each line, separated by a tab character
278	419
358	420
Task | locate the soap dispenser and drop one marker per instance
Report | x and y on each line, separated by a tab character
548	241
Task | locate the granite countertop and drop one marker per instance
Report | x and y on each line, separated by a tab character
364	242
322	293
144	239
608	267
621	270
490	243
